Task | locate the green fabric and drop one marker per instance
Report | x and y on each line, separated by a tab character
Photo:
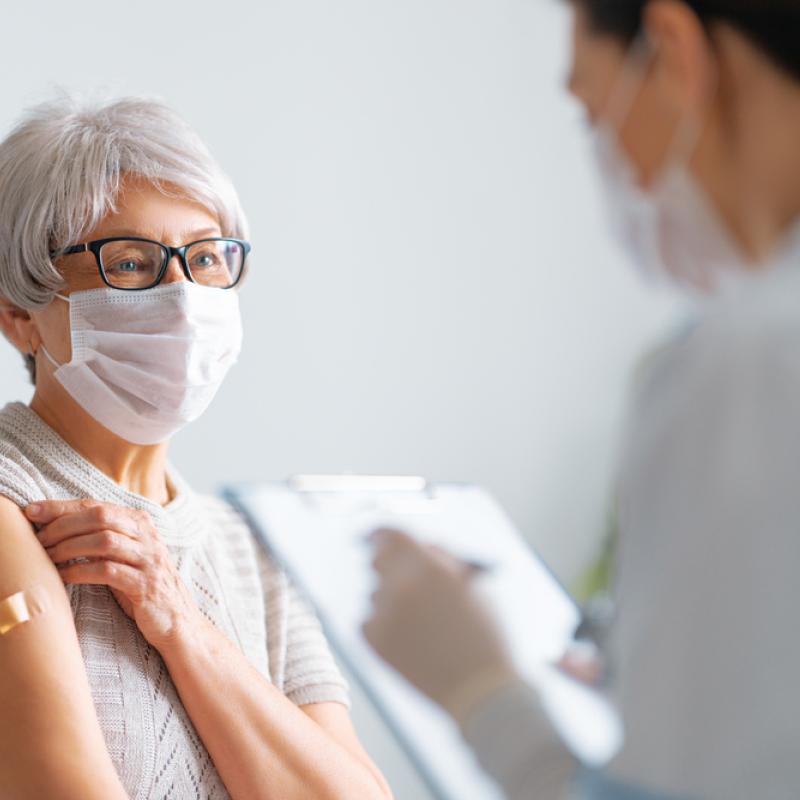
597	578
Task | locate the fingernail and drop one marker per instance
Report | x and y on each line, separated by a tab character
33	510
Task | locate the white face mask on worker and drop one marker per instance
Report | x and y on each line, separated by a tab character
144	364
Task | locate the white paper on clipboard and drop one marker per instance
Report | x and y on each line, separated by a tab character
316	530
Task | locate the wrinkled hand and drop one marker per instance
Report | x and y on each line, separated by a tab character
125	553
429	622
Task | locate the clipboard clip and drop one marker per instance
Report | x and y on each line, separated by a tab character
364	493
357	484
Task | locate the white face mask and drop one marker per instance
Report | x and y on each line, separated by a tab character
672	230
144	364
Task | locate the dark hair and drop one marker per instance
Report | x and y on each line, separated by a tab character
773	25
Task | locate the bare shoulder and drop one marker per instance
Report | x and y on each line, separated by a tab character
21	555
44	693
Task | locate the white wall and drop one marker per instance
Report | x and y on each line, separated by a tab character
433	291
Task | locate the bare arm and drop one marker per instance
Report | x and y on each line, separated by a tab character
262	744
51	744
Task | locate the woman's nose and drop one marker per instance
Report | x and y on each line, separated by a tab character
174	272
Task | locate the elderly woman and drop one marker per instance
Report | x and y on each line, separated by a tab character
148	649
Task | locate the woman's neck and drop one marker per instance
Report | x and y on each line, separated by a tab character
755	169
140	469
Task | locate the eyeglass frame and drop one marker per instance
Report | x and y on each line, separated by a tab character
95	245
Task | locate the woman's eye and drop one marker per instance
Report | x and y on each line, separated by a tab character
125	266
204	261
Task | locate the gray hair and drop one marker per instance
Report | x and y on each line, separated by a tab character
61	169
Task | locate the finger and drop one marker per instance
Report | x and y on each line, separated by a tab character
380	599
391	548
102	544
371	630
98	517
385	537
125	578
410	564
446	560
44	511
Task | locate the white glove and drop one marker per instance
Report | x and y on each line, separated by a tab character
430	623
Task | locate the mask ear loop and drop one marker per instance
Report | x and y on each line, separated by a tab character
49	357
43	348
688	135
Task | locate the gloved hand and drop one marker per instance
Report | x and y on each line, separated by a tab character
429	622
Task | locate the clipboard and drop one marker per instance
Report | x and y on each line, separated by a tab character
316	526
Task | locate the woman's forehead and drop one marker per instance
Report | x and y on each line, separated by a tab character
162	213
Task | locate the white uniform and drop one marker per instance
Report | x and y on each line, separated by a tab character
705	651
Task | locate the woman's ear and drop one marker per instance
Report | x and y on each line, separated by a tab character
686	67
18	326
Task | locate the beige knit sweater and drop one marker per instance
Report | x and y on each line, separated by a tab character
153	743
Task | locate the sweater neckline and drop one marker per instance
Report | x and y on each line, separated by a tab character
50	448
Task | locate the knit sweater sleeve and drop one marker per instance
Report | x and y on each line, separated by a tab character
16	483
312	675
300	659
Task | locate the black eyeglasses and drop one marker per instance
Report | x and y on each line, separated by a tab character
135	264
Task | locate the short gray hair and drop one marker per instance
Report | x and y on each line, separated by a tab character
60	174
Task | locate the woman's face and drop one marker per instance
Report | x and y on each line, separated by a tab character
142	211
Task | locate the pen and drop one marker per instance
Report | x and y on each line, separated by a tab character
479	567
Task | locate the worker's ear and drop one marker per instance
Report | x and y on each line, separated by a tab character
18	326
686	68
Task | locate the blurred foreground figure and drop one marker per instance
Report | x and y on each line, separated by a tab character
695	111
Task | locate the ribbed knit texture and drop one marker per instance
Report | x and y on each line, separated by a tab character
152	741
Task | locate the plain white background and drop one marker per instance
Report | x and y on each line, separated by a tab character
432	287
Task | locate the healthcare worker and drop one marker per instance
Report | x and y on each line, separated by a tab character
694	106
